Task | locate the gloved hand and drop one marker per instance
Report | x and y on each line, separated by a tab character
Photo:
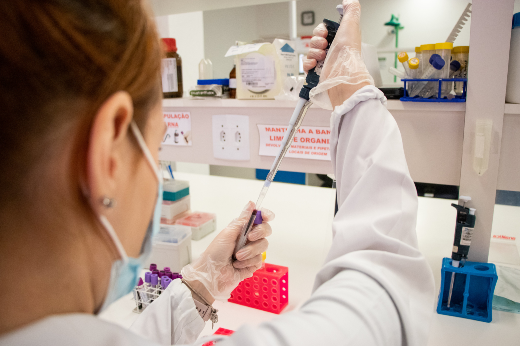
344	71
215	269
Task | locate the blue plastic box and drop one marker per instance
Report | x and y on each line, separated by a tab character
473	289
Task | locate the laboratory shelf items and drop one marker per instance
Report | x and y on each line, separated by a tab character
267	289
473	288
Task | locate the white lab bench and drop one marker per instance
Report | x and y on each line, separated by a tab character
301	238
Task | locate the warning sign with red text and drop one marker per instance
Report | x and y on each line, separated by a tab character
179	128
311	142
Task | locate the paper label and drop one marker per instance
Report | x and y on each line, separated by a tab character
467	234
311	142
179	128
233	83
247	48
169	75
258	72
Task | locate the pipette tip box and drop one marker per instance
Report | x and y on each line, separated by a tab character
171	247
201	224
171	211
473	287
267	289
173	190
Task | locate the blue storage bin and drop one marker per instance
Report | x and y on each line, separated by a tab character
282	176
473	288
462	98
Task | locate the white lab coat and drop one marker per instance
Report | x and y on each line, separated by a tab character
374	289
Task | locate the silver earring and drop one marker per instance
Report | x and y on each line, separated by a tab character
108	202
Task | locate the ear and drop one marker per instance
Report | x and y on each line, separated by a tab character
108	137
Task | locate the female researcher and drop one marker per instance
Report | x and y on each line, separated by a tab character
80	134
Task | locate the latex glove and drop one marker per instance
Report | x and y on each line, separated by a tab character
343	71
215	269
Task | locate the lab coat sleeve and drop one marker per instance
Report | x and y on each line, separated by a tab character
171	319
375	287
375	228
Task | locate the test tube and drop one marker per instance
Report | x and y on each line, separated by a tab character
432	71
454	71
454	68
418	55
403	59
154	280
165	283
426	51
153	267
444	50
413	63
167	269
137	294
153	289
147	284
461	54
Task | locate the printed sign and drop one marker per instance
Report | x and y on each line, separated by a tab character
311	142
179	128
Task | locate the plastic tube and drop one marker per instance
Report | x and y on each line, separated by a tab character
432	71
403	59
444	50
461	54
413	63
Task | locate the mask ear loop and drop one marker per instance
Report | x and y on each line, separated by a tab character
114	237
104	221
144	148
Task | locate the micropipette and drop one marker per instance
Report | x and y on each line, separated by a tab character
462	240
295	122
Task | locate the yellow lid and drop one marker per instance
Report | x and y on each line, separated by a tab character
417	49
264	255
427	47
413	63
403	56
461	49
444	45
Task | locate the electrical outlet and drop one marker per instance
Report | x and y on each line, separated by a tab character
231	137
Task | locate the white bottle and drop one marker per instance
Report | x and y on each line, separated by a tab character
205	69
513	74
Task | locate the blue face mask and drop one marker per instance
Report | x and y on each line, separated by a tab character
125	271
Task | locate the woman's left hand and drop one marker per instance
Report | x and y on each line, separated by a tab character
216	270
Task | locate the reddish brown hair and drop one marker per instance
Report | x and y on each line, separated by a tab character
59	60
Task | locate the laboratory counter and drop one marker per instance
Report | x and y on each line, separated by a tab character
301	239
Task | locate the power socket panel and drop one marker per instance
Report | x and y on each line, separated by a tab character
231	137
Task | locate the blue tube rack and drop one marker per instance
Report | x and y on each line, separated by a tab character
461	98
473	287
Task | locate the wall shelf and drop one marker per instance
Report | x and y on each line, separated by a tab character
233	103
432	135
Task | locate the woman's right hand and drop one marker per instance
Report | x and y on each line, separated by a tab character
344	71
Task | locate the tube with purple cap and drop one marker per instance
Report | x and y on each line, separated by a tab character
255	219
153	267
165	281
